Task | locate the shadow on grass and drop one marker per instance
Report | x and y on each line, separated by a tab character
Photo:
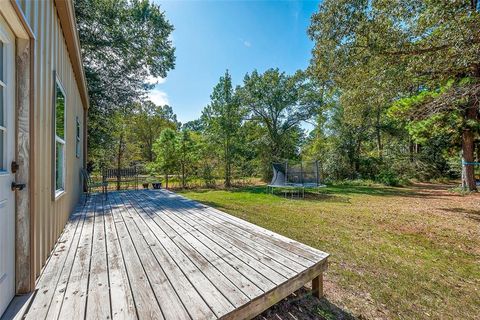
334	192
261	190
340	192
302	305
470	213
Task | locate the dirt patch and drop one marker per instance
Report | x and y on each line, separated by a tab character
302	305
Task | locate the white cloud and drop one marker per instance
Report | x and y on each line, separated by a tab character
158	97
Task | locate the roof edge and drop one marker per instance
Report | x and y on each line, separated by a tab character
66	15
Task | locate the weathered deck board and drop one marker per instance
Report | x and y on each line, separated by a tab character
273	240
263	275
279	253
244	268
52	271
145	301
156	255
281	263
123	306
75	299
174	284
201	273
98	300
269	268
59	294
203	255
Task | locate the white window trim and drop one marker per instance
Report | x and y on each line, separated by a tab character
78	138
62	142
59	192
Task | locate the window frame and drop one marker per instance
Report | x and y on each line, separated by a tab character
78	139
56	193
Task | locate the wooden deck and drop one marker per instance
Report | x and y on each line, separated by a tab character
155	255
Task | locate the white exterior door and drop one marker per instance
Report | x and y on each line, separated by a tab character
7	154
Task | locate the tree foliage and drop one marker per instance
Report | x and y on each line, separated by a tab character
123	43
375	53
222	121
188	154
278	103
391	93
167	153
147	122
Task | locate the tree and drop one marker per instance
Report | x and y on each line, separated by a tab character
194	125
167	153
123	150
123	43
148	121
414	45
187	149
280	103
206	152
222	119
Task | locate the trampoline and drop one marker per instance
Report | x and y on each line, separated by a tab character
295	177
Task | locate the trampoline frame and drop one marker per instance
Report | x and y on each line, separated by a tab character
280	180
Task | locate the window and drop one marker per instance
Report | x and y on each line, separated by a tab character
59	139
77	139
3	129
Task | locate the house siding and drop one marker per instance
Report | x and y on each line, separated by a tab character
50	54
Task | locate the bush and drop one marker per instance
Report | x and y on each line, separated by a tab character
388	177
208	177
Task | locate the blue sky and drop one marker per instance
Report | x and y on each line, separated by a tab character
212	36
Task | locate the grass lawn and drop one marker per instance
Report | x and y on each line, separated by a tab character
396	253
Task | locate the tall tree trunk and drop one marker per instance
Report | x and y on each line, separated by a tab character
468	147
468	176
478	151
166	180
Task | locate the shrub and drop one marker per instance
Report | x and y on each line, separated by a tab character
208	177
388	177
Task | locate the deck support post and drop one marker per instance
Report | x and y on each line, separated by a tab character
317	286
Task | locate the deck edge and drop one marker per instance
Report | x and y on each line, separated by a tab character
270	298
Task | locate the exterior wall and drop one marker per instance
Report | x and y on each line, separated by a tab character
50	54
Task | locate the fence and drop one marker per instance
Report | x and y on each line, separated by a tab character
123	178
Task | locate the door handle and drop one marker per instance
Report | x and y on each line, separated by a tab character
18	186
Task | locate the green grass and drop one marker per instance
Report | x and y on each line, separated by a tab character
395	252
